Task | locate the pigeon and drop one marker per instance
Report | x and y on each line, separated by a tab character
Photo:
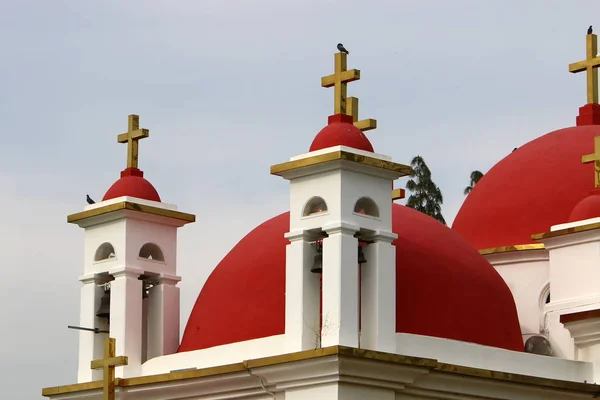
342	49
514	149
89	199
590	30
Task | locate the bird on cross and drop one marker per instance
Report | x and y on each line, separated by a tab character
342	49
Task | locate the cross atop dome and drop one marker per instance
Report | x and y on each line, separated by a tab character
132	138
590	64
341	103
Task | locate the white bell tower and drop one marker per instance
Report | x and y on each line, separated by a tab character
130	270
340	195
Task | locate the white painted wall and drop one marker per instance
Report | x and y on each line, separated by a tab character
527	275
443	350
492	358
218	355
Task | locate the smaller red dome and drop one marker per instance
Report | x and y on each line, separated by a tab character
587	208
133	184
340	131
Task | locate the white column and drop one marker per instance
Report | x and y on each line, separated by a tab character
163	317
126	319
340	286
302	294
378	297
91	345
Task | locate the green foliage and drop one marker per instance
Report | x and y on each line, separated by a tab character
475	177
425	196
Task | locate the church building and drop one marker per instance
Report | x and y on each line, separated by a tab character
349	295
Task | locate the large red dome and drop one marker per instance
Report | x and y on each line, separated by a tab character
531	189
444	288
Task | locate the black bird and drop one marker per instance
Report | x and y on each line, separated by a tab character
342	49
89	199
514	149
590	30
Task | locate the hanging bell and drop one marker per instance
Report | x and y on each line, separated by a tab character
317	267
361	255
104	309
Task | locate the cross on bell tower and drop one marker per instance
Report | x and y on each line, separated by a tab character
132	137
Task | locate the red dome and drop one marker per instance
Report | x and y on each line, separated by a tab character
444	288
340	131
587	208
132	183
531	189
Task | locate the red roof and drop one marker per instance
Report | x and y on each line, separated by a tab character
531	189
444	288
587	208
341	131
132	183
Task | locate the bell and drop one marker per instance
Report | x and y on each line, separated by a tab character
104	309
317	267
361	256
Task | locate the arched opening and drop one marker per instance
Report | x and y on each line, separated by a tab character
544	298
366	206
315	205
104	252
151	251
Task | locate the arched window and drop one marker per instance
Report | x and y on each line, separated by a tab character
366	206
151	252
544	298
315	205
104	252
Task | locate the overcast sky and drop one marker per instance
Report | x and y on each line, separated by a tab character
228	88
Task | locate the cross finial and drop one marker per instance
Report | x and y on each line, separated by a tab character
590	64
352	110
339	80
132	137
108	364
595	158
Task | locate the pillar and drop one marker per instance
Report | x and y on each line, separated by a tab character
340	286
378	297
302	293
163	317
91	345
126	319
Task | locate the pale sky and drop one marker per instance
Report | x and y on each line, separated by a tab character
228	88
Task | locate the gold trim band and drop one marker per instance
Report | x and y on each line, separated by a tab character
343	351
401	169
508	249
126	205
566	231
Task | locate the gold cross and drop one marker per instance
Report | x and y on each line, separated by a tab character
595	157
352	109
589	65
132	137
339	80
108	365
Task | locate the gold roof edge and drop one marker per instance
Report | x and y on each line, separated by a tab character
279	169
566	231
432	364
127	205
509	249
